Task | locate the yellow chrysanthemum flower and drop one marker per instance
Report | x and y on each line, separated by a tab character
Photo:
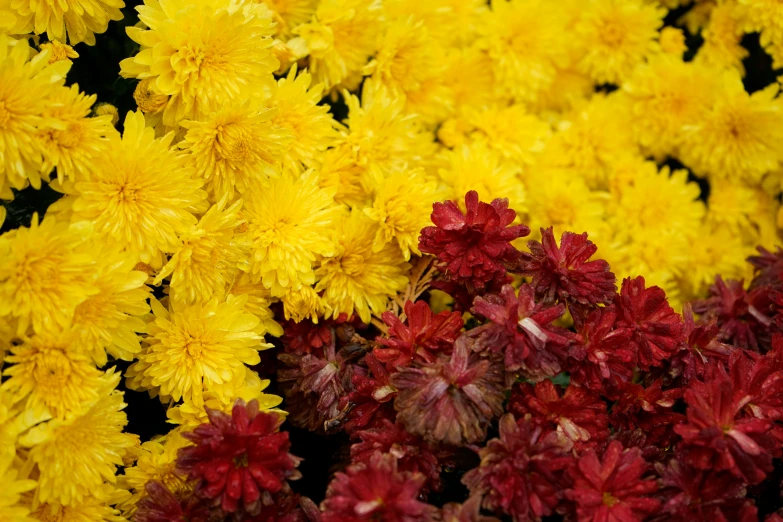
140	196
75	456
723	35
11	509
290	13
355	278
190	349
714	250
672	41
302	304
210	257
453	23
289	222
339	173
469	77
765	17
733	206
107	109
202	53
258	302
76	20
58	51
511	131
45	272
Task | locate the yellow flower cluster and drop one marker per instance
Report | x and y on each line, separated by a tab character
234	188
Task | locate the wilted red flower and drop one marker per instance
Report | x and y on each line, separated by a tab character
701	347
649	409
451	400
602	354
612	488
717	436
769	268
521	472
238	457
522	331
468	511
741	316
473	248
421	339
160	505
376	490
691	494
579	414
370	401
656	328
566	273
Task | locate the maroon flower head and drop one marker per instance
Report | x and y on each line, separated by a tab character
522	472
468	511
701	347
657	330
579	414
421	339
238	458
612	488
566	272
370	401
451	400
376	490
473	248
769	268
160	505
649	409
308	337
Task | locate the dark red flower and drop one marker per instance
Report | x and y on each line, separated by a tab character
579	414
238	458
522	331
464	296
308	337
421	339
649	409
701	347
370	401
473	248
160	505
638	439
769	268
287	506
657	328
602	354
772	517
717	436
612	489
741	316
468	511
451	400
376	490
566	273
691	495
521	473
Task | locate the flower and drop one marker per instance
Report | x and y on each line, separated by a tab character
355	278
78	20
369	404
723	39
649	408
11	509
160	505
58	51
302	304
521	472
612	488
290	13
289	222
147	99
701	346
196	65
376	490
191	349
238	457
421	339
518	142
339	173
473	248
451	400
565	272
468	511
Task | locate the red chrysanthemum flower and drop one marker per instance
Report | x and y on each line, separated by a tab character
638	439
522	472
717	436
612	489
473	248
579	414
602	353
160	505
463	296
238	457
566	272
411	451
648	409
701	347
370	401
769	268
522	331
425	335
741	315
286	507
308	337
657	329
376	490
468	511
451	400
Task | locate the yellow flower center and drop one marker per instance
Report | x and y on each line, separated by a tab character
194	348
234	143
612	33
609	500
51	372
72	136
352	264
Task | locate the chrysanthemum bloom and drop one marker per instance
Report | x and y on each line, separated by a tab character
522	331
338	172
289	14
612	488
521	472
160	505
722	47
768	267
763	16
494	125
78	20
97	506
139	197
451	400
194	63
289	223
468	511
308	337
235	147
355	278
11	509
241	458
376	491
691	494
647	408
45	272
701	347
338	40
304	303
193	348
565	272
75	456
473	248
578	414
209	258
58	51
258	303
425	335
